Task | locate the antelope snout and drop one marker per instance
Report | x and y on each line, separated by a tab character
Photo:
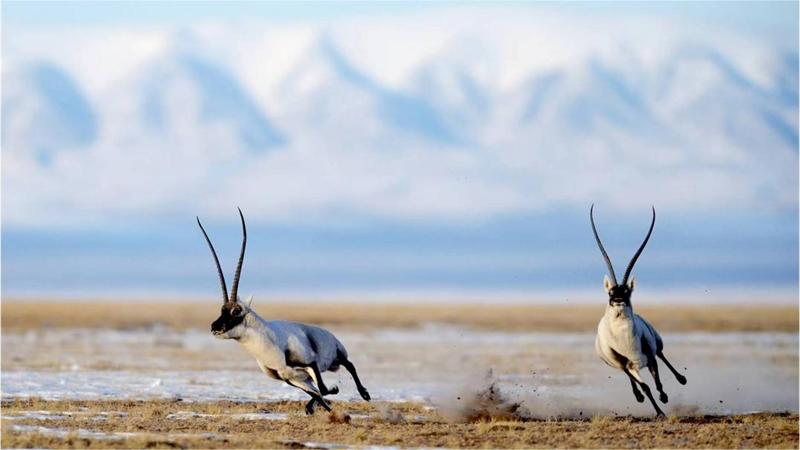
618	302
217	328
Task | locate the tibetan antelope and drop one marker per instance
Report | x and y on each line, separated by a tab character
292	352
625	340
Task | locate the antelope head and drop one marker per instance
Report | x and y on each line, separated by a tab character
233	312
619	294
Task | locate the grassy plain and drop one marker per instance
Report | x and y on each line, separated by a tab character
148	424
36	423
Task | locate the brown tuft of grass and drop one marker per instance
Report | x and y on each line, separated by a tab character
20	315
601	421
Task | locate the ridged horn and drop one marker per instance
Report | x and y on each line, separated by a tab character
216	261
235	287
602	249
639	252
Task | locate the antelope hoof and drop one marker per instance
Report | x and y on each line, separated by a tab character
681	379
364	393
660	415
639	397
332	391
663	397
310	408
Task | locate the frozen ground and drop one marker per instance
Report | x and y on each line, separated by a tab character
550	373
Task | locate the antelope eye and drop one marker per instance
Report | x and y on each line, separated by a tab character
236	311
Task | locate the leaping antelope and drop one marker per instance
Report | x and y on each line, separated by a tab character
293	352
625	340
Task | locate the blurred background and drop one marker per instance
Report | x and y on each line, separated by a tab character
400	150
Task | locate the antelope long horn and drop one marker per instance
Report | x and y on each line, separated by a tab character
235	287
602	249
639	252
216	261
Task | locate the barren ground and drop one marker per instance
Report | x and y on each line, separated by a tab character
150	424
149	375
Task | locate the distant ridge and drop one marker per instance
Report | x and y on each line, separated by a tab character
514	112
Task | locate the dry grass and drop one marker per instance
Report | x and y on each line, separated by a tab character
29	314
151	428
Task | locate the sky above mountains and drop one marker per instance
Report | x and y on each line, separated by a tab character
345	127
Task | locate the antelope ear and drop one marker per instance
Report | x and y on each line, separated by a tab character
632	283
249	301
607	284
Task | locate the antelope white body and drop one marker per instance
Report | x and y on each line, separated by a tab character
273	342
621	331
292	352
625	340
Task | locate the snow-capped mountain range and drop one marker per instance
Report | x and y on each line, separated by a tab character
452	116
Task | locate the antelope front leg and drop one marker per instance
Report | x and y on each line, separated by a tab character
644	387
313	371
312	391
636	393
310	406
300	379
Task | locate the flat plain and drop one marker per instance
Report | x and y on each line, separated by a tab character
32	314
170	424
149	375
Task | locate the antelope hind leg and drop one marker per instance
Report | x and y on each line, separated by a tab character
352	369
681	379
652	366
654	372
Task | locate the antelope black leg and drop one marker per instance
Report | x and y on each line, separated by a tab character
646	389
652	366
654	372
315	398
623	361
636	393
310	406
352	369
649	395
321	384
681	379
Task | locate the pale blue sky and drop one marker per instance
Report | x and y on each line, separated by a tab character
775	15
